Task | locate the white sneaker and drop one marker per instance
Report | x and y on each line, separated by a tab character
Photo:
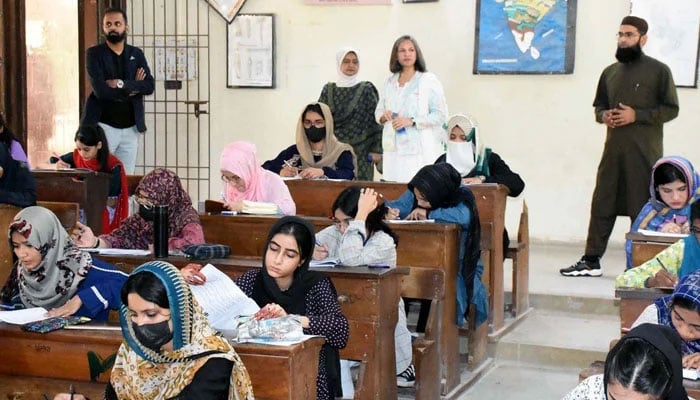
407	378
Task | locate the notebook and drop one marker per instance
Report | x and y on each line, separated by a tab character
326	262
690	374
20	317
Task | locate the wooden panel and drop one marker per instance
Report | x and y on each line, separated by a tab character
634	301
67	213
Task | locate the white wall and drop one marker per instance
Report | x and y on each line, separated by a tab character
543	126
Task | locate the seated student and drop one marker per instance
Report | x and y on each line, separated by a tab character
8	138
245	179
17	184
92	152
644	364
169	349
284	285
435	192
158	187
317	152
681	312
475	162
50	271
674	187
359	236
672	263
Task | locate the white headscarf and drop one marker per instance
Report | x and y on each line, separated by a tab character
344	80
464	156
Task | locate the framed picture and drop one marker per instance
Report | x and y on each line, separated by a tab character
251	51
525	37
227	8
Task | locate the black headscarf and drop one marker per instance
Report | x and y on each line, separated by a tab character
665	340
441	186
293	300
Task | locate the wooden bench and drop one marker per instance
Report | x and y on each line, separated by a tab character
132	181
294	368
316	197
87	188
646	247
366	296
67	212
519	253
633	301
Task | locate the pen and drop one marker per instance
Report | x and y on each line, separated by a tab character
662	264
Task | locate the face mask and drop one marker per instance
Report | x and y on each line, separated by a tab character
461	156
146	213
114	37
314	134
153	336
628	54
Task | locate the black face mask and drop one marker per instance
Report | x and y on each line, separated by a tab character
147	213
114	37
628	54
314	134
153	336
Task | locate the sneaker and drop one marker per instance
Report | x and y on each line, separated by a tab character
583	268
407	378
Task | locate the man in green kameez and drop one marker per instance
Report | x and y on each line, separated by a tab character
635	97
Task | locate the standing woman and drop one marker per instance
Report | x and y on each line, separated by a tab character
158	187
10	140
92	152
352	103
412	102
284	285
317	153
245	179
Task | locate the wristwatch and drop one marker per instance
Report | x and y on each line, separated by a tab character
413	122
120	83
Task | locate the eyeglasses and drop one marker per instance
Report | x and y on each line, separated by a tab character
627	35
318	124
695	229
230	179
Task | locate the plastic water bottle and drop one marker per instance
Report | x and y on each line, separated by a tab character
400	130
160	231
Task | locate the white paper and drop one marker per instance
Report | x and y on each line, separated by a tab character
662	234
278	342
326	262
690	374
119	252
410	221
222	299
24	316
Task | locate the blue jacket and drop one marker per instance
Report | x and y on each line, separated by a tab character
100	68
100	291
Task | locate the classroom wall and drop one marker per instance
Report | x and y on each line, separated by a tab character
543	126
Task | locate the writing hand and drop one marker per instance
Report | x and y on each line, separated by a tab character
311	173
320	252
418	214
671	227
289	172
60	164
192	274
234	205
662	279
691	361
392	214
271	310
68	309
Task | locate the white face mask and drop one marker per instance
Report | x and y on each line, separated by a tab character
461	156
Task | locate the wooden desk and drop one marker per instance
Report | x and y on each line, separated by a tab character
88	189
294	368
368	298
634	301
421	247
646	247
316	197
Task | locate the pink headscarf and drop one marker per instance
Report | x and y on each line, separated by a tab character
241	158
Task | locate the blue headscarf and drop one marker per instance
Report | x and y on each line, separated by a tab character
655	212
688	288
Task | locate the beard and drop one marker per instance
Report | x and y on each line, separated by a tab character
628	54
114	37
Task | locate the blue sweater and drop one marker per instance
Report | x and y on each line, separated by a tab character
344	167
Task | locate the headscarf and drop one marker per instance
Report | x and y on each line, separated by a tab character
344	80
141	373
121	211
332	148
293	300
664	340
469	155
160	186
63	265
688	288
240	158
441	186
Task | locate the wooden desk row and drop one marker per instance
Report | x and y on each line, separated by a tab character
315	198
646	247
63	356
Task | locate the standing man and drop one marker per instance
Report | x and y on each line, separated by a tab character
635	97
120	77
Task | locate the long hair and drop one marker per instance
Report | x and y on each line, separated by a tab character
91	135
347	203
6	135
395	66
146	285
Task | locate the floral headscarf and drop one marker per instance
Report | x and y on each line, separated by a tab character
160	186
63	265
141	373
688	288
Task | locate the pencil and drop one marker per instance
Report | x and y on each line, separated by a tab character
662	264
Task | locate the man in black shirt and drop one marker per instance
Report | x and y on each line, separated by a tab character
120	77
